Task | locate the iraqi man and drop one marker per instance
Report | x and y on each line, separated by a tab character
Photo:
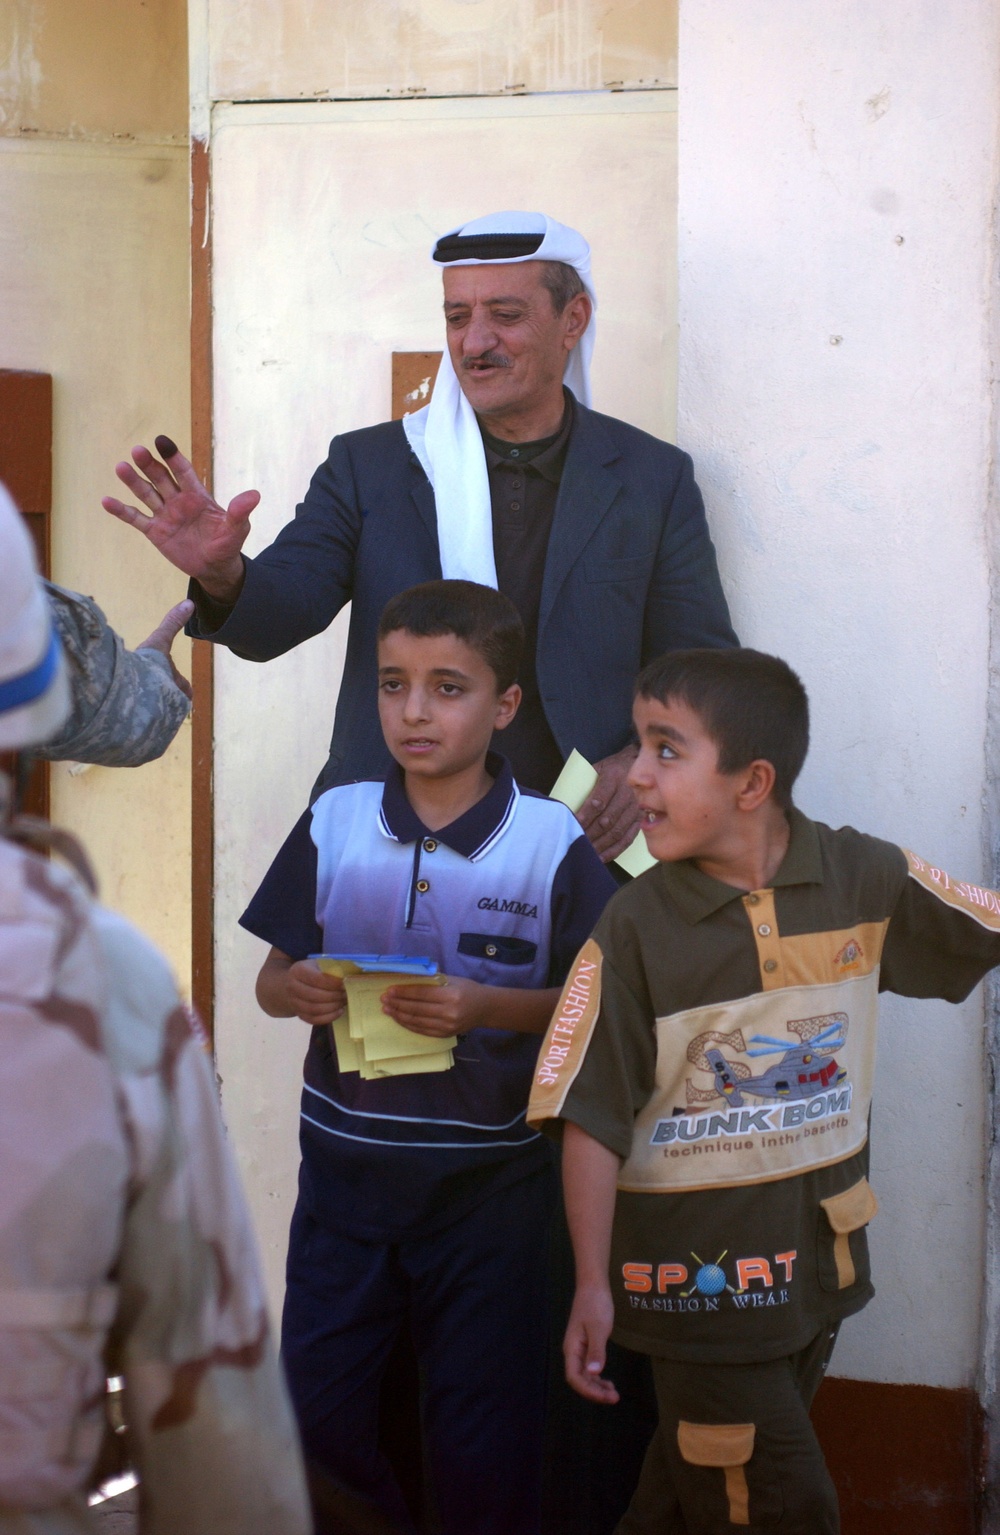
594	529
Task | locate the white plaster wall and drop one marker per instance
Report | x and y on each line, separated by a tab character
323	220
837	173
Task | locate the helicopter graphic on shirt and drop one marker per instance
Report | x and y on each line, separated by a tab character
807	1066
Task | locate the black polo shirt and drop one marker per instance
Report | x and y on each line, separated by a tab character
524	484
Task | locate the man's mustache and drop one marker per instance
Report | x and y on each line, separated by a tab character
491	359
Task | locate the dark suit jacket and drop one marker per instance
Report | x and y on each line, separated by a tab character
630	573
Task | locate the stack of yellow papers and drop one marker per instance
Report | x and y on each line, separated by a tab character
370	1042
574	783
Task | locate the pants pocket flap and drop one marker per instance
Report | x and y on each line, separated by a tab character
852	1208
715	1444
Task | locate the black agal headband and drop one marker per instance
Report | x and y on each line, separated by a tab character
487	247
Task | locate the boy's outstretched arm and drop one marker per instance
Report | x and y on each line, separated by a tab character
298	988
461	1005
590	1180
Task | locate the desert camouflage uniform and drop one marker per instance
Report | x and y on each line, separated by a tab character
125	1243
126	706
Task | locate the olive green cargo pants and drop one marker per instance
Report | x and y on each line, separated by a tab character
735	1452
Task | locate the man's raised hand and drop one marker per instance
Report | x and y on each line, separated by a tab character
186	524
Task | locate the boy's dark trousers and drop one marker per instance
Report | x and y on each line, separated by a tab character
735	1451
474	1295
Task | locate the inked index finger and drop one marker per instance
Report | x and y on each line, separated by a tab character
157	474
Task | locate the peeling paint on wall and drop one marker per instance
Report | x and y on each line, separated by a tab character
20	71
93	69
311	49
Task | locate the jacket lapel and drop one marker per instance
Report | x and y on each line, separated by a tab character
423	498
586	491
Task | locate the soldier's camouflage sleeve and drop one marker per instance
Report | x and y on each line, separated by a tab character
126	706
210	1423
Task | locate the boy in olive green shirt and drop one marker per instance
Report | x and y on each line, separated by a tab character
711	1062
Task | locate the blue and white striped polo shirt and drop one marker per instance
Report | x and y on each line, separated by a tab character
504	895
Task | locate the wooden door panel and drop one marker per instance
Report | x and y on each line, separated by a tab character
26	470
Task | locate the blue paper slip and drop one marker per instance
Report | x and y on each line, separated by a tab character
392	964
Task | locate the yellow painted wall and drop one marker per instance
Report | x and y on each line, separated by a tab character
94	290
114	69
311	48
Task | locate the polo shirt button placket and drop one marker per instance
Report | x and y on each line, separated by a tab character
767	939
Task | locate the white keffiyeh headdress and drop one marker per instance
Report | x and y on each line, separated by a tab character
445	435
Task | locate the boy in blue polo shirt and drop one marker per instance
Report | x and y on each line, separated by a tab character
424	1199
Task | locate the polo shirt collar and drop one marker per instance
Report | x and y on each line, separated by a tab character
474	833
549	462
698	895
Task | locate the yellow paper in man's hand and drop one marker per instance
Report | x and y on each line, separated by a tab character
574	783
636	858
